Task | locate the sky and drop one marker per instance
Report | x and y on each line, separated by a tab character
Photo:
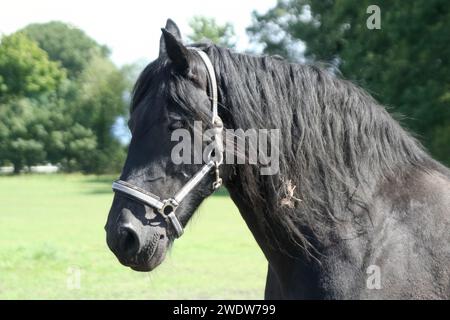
131	28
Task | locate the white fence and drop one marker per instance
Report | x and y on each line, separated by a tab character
48	168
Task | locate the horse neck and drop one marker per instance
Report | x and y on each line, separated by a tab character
337	146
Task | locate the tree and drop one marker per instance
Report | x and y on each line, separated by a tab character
25	70
405	64
94	98
66	44
33	132
204	28
20	134
45	117
100	101
26	74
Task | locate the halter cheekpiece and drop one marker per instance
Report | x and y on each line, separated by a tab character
168	206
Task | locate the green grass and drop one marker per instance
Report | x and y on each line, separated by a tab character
52	224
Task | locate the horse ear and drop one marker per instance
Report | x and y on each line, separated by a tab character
172	27
176	51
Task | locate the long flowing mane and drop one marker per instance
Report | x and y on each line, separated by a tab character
337	143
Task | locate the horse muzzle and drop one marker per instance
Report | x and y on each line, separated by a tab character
138	246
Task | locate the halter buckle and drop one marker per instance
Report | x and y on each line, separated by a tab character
216	184
169	206
168	212
217	122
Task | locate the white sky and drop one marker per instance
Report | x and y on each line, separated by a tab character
130	28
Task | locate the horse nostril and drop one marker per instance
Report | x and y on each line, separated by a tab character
129	241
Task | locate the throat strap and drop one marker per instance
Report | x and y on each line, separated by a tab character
212	81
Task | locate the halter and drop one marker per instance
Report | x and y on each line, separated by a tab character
167	207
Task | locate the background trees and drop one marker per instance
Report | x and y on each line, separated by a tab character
205	28
59	97
25	69
66	44
60	94
27	77
405	64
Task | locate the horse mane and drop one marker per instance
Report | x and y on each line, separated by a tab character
337	143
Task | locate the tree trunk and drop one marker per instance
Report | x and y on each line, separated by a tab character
17	167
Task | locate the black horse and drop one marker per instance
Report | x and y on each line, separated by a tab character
357	210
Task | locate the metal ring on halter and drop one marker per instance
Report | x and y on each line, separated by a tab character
217	122
216	158
168	211
169	205
218	182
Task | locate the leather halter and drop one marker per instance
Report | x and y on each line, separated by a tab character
167	207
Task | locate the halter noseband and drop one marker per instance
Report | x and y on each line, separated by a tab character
168	206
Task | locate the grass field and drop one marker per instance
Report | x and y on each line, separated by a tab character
51	235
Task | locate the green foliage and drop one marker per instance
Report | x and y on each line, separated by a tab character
66	44
45	117
80	148
33	132
405	64
100	100
204	28
25	69
100	97
22	133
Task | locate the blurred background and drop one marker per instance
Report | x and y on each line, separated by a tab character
67	69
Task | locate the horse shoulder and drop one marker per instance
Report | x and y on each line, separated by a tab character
411	243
